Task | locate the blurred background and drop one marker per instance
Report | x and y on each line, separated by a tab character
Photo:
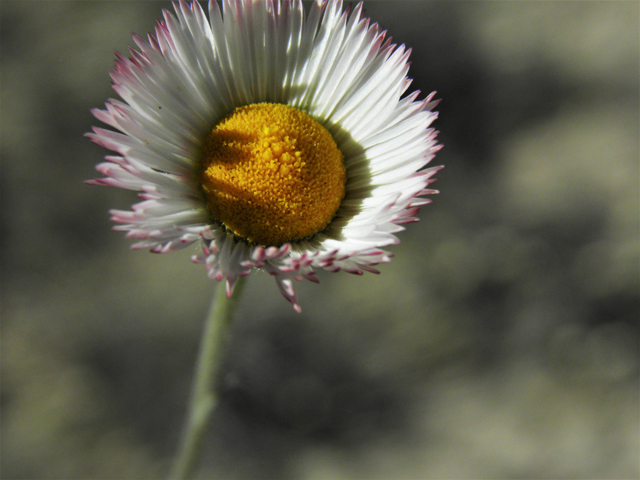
501	342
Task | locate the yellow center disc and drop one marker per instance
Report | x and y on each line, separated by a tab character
272	174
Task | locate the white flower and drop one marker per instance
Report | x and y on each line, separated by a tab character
333	66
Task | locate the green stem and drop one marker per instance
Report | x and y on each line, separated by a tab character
203	396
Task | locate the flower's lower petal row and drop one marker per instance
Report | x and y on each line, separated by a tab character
285	285
161	225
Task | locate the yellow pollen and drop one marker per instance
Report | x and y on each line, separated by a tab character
271	174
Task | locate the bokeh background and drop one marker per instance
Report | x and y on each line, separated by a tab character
501	342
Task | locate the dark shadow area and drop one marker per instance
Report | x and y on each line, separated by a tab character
286	385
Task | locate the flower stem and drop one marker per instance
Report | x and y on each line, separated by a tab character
203	396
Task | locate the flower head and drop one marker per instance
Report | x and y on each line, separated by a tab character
279	142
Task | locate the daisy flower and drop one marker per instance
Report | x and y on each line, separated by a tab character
279	140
